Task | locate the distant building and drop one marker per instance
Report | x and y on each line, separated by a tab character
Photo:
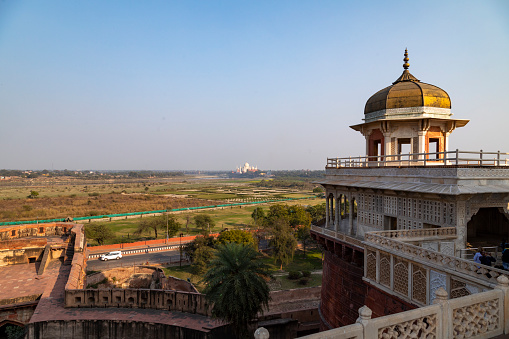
246	168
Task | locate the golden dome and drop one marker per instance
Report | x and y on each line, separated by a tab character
408	91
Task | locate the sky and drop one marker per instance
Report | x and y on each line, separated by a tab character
210	85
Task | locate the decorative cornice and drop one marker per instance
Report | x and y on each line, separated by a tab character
409	112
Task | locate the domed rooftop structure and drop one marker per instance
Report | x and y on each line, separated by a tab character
408	117
407	97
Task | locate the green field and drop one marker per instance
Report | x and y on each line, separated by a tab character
231	218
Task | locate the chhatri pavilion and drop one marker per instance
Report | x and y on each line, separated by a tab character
399	222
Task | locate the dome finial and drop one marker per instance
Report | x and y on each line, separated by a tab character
406	64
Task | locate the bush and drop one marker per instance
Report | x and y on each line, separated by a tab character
304	281
306	274
94	194
294	275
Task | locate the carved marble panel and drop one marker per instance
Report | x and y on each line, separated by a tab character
436	280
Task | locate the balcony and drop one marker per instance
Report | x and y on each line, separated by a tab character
447	158
457	297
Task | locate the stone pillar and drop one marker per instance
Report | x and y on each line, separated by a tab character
363	319
338	213
350	216
327	210
503	285
387	145
422	143
331	212
461	227
367	144
441	297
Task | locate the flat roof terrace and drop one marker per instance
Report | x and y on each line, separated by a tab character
20	283
447	175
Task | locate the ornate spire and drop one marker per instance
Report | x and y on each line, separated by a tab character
406	76
406	64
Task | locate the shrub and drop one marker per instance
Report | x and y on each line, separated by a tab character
304	281
306	274
93	194
27	208
294	275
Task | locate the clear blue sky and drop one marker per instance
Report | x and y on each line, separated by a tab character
175	85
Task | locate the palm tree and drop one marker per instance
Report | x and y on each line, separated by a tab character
235	285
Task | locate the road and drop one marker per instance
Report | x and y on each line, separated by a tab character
134	259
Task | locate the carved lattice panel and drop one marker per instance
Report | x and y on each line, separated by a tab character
436	280
447	247
419	286
385	269
476	320
430	246
425	327
371	266
401	276
458	289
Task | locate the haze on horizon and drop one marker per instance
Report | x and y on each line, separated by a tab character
177	85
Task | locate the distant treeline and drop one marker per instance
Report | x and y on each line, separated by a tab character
90	174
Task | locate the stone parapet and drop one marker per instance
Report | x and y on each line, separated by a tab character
138	298
479	316
37	230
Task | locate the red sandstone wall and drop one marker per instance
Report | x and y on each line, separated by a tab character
382	303
17	314
343	291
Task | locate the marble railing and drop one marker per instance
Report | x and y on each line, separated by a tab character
421	233
455	158
478	316
337	235
441	261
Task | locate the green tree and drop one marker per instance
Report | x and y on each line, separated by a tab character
277	211
173	225
297	216
202	257
236	236
33	195
258	216
318	189
148	225
200	241
204	221
99	232
317	212
283	242
236	286
304	235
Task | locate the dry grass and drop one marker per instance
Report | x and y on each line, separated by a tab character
81	206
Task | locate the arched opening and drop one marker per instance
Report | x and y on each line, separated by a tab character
12	330
330	211
376	145
435	143
353	216
489	226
